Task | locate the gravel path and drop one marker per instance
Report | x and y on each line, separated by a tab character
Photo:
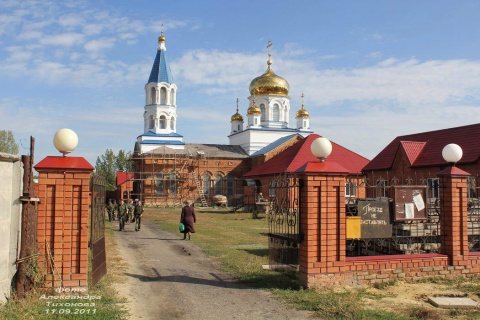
170	278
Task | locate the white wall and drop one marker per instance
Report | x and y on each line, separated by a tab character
11	173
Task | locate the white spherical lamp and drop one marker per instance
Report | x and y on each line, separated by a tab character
321	148
452	153
65	140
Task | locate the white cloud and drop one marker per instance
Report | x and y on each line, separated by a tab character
71	20
64	39
99	44
29	35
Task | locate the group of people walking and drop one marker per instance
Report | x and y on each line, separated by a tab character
130	212
126	212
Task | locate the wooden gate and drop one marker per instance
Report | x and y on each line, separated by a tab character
284	221
97	228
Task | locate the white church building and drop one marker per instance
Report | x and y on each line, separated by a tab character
268	115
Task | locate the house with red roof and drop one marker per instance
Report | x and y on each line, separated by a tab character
417	158
295	158
124	185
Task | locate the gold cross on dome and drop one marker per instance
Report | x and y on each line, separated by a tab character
268	48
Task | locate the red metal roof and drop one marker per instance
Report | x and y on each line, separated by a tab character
296	156
453	171
123	177
467	137
326	167
64	164
412	149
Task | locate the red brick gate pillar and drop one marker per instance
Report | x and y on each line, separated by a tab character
454	214
322	223
63	190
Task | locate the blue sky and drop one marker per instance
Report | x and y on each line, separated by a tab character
370	70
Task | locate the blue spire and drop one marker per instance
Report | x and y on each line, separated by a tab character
161	69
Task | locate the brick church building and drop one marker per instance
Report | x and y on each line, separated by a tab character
169	170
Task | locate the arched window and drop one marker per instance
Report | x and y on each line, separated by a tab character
153	96
151	123
172	184
163	95
276	112
172	123
166	183
206	184
230	185
172	97
159	184
218	184
163	122
262	108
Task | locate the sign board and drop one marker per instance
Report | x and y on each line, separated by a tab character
410	203
375	218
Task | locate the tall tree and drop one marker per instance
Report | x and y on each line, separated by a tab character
109	164
7	142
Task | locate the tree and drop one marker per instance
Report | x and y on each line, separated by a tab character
109	164
7	142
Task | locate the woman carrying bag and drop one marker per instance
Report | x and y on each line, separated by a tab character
188	218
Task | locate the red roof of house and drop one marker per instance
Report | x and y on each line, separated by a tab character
412	149
296	156
123	177
467	137
64	163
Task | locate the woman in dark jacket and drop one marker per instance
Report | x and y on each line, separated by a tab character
188	218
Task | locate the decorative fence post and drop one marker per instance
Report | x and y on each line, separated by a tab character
454	214
322	210
63	212
64	193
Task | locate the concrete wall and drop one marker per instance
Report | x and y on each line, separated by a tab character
11	173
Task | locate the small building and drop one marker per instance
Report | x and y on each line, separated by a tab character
124	186
415	159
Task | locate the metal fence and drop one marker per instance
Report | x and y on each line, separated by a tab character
473	221
284	221
397	232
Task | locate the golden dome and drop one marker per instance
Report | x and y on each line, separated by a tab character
302	113
161	38
254	109
237	117
269	83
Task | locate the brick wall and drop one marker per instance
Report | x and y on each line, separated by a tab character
63	217
322	252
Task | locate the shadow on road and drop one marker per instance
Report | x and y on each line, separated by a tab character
219	282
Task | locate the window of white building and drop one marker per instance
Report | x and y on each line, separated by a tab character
163	95
151	123
163	122
276	112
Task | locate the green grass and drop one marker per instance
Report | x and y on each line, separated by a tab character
36	304
240	244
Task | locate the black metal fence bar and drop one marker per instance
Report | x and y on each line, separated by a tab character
473	221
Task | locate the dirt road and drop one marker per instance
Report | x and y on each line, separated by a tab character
170	278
